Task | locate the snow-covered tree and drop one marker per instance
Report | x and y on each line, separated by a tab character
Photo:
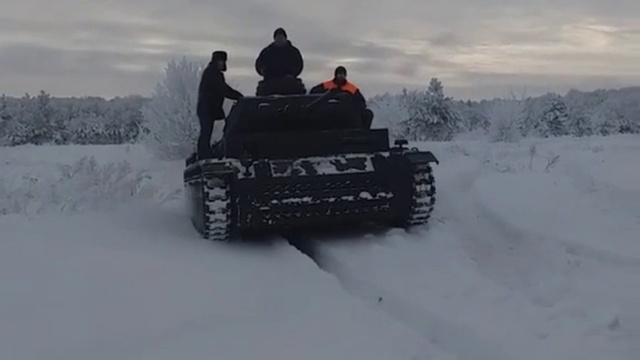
87	129
605	120
579	124
431	114
5	119
124	119
626	104
388	112
474	119
170	117
579	120
554	118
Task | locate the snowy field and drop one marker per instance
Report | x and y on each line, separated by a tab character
533	253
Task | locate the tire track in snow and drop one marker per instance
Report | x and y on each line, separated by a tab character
607	197
557	275
444	334
538	267
502	253
535	267
581	252
468	209
513	257
510	257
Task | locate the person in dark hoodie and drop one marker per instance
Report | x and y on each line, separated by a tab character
340	83
280	58
279	64
212	91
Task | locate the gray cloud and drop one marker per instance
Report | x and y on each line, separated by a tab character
490	85
67	73
121	46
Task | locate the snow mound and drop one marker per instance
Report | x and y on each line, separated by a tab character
83	185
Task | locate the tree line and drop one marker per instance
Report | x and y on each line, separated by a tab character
43	119
167	118
430	115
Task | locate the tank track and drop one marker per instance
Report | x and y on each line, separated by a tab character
216	210
424	196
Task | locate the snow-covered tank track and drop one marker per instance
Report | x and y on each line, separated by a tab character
213	217
424	195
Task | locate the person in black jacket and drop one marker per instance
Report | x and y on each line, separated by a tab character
212	91
280	58
280	64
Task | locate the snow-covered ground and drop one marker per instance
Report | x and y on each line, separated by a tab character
533	253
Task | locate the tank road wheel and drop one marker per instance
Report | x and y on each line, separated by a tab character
216	210
423	197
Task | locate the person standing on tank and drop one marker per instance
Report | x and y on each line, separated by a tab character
280	59
212	91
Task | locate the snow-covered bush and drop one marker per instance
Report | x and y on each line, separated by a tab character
506	120
389	112
170	117
84	185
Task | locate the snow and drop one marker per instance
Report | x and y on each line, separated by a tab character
532	253
126	286
519	262
136	282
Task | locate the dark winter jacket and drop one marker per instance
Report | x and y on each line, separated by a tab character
212	91
279	61
349	88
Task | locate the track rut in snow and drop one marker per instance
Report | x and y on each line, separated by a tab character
474	271
445	334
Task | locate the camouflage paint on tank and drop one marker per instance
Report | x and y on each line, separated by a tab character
321	166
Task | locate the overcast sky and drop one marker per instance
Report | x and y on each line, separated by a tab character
478	48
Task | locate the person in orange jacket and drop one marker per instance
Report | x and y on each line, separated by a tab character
340	82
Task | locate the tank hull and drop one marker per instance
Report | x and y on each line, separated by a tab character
229	196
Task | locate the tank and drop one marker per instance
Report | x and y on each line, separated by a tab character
298	162
281	86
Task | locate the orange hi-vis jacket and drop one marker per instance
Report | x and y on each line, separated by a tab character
348	87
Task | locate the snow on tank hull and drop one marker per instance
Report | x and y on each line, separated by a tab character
228	196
